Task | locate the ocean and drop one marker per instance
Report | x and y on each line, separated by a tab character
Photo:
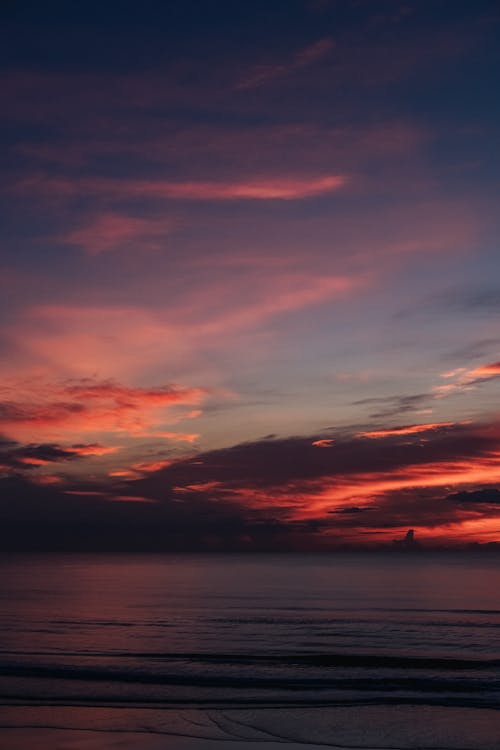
342	651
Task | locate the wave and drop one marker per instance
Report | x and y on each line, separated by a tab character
344	683
332	660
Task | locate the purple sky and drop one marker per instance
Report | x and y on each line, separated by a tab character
250	276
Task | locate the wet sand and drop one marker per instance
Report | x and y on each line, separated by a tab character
366	727
61	739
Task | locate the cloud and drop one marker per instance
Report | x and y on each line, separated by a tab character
75	407
129	342
148	466
92	449
399	483
484	497
412	429
394	406
463	379
485	372
265	188
263	74
47	518
15	457
109	232
278	493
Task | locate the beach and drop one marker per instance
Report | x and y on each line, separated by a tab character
369	728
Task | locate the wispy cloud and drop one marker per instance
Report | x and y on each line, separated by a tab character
263	74
394	406
463	379
284	187
412	429
108	232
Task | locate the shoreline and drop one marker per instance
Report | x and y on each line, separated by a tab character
354	727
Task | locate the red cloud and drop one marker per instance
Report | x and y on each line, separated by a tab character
90	406
132	499
33	461
46	479
148	466
324	443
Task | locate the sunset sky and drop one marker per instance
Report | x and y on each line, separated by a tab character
250	274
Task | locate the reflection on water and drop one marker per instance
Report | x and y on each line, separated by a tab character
244	634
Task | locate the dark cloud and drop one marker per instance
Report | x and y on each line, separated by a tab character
481	300
350	509
37	518
474	350
14	456
490	496
393	406
254	496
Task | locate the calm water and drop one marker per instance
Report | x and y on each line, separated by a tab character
238	632
230	630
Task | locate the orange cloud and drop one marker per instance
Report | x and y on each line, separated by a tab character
486	371
324	443
408	430
464	379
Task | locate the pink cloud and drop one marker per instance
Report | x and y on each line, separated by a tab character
265	188
112	231
70	408
92	449
285	294
148	466
74	341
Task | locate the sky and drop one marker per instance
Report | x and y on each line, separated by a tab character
249	274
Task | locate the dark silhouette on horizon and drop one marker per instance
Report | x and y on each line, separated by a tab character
408	543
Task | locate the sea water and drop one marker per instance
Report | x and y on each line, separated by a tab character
243	646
